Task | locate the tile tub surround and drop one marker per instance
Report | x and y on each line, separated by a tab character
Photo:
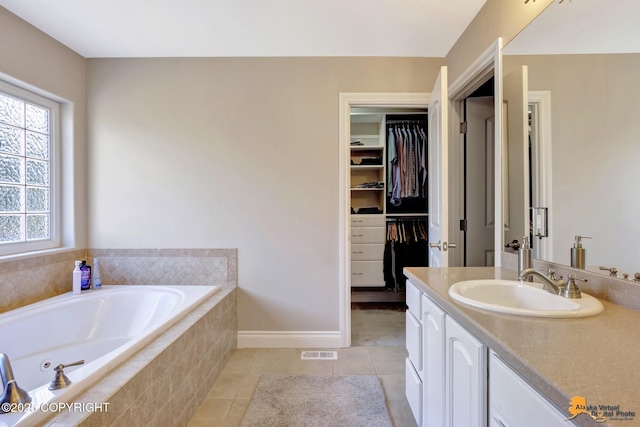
616	290
594	357
216	267
38	277
29	280
164	384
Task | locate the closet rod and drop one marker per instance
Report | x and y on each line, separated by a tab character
407	219
406	122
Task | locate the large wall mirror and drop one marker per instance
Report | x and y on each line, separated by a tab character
572	133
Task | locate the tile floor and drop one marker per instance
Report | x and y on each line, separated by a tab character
229	397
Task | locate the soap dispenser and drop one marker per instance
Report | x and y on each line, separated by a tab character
578	253
77	279
524	257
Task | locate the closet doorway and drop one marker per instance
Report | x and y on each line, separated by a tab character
371	200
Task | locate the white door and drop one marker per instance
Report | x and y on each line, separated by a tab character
515	176
438	171
480	200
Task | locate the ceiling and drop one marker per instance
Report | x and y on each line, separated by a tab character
581	26
209	28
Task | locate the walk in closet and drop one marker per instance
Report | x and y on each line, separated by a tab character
388	188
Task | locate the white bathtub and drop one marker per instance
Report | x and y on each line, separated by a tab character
103	327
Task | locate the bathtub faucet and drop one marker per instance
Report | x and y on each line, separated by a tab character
12	393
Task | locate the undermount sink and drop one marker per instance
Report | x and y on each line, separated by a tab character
522	299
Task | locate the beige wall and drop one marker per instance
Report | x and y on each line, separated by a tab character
595	106
497	18
31	59
234	152
220	152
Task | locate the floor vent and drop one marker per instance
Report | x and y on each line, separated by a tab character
319	355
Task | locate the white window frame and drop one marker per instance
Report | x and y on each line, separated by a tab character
55	187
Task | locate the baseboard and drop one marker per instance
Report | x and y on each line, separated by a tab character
289	339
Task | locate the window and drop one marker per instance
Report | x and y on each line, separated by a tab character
28	171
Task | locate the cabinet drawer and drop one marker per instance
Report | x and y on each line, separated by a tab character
413	296
413	333
367	235
367	252
513	402
367	273
367	221
413	391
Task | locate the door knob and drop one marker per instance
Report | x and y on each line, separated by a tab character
443	246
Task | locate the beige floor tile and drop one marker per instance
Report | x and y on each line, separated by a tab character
310	367
248	386
211	412
241	361
393	386
228	399
400	414
388	360
226	386
272	361
236	413
353	361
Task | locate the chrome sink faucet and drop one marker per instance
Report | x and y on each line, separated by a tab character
553	286
12	393
556	287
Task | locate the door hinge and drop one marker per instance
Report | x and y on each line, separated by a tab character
463	127
463	225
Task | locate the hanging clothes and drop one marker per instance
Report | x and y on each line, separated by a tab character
407	150
406	246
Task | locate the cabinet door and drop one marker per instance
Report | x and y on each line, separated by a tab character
413	390
433	350
413	340
513	402
414	298
466	372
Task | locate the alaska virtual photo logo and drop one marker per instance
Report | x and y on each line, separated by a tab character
600	413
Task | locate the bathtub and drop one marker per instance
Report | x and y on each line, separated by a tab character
103	327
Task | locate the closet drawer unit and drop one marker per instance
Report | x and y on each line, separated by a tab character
367	220
367	235
367	273
367	252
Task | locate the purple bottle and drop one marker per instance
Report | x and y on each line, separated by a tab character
85	281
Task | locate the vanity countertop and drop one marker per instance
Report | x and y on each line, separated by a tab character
593	357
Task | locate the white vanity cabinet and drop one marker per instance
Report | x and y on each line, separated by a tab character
514	403
446	376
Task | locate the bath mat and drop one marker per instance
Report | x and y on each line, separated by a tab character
309	401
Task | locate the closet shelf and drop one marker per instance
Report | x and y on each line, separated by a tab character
366	189
366	147
367	167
